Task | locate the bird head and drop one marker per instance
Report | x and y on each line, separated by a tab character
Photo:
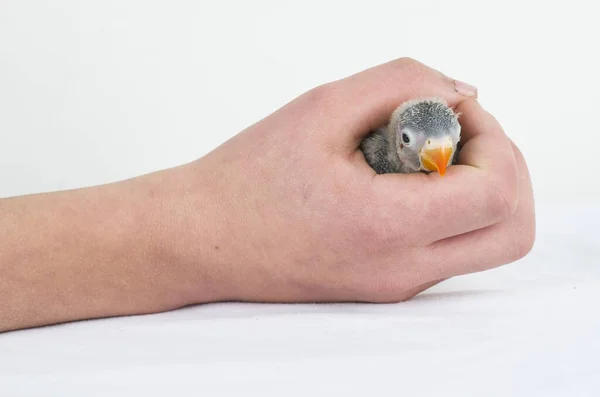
426	132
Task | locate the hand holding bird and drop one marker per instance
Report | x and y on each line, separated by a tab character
317	222
286	211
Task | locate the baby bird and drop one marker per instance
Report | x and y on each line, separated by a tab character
422	136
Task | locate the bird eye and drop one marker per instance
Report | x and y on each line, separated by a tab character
405	138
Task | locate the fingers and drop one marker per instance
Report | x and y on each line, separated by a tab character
484	143
480	193
365	101
490	247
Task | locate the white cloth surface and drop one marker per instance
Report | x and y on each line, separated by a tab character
527	329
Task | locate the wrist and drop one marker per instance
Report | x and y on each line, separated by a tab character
186	228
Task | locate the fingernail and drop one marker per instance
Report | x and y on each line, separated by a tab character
465	89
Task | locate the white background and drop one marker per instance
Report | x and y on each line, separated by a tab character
96	91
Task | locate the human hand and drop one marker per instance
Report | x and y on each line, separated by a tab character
288	210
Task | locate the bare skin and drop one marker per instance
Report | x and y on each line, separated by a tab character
286	211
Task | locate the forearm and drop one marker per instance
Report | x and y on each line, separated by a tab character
89	253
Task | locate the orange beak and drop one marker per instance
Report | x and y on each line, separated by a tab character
436	155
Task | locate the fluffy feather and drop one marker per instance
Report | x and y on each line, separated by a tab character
422	119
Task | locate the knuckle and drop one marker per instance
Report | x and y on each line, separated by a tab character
510	177
527	243
526	238
520	245
498	202
503	195
519	236
409	64
527	218
322	96
415	72
518	154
